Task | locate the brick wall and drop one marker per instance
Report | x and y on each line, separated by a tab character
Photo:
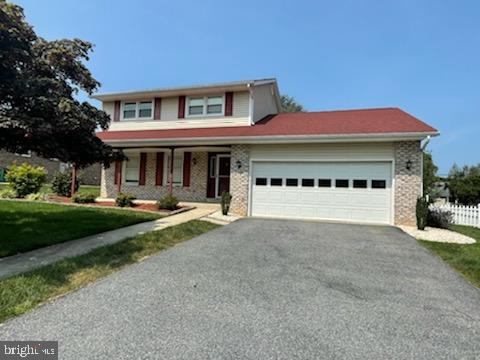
239	179
197	191
407	182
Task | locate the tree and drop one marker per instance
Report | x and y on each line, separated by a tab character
289	104
464	184
38	83
429	175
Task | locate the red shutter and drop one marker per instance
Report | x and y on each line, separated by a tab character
157	108
116	111
229	103
181	107
159	170
143	168
187	159
118	171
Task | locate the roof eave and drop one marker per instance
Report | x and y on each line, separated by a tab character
276	139
186	90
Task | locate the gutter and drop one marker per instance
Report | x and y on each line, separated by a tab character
278	139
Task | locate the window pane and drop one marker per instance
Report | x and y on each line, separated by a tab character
324	183
195	110
341	183
261	181
292	182
214	105
129	110
379	184
145	109
307	182
195	106
360	184
132	168
276	182
214	100
214	109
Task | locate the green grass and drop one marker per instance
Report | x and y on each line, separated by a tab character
27	226
21	293
463	258
47	189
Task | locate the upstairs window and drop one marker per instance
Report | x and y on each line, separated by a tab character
137	110
207	105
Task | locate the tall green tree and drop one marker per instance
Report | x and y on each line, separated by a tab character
289	104
429	174
464	184
39	80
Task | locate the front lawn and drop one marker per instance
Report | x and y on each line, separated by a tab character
27	226
464	258
47	189
21	293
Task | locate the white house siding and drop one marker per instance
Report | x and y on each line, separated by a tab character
264	102
169	116
324	152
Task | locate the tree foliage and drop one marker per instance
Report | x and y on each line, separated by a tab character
38	83
464	184
289	104
429	174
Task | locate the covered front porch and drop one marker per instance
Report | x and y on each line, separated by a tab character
191	173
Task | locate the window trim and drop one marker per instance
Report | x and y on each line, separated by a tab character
205	99
137	111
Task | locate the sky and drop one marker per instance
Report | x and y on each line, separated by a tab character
421	56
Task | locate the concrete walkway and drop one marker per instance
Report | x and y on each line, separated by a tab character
27	261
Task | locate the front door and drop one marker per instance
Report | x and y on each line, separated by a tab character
223	174
218	174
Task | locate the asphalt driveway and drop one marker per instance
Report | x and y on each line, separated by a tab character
268	289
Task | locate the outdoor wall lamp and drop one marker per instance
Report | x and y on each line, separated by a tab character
238	164
408	165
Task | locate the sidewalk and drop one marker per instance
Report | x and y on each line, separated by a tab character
27	261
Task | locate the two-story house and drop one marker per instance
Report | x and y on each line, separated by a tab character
198	141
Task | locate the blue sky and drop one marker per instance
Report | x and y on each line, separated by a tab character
422	56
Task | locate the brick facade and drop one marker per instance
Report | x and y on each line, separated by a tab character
197	191
239	179
408	183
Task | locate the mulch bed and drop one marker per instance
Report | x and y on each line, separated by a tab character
141	207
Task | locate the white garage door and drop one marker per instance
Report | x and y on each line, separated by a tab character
356	191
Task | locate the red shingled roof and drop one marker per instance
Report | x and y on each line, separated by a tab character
345	122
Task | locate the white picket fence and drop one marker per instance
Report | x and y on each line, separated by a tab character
462	214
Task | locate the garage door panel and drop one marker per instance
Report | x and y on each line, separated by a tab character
334	203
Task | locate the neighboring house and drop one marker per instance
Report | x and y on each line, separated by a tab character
442	192
89	176
353	165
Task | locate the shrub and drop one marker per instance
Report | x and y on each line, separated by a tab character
439	218
226	199
62	184
8	194
124	199
26	179
168	202
84	198
422	213
37	197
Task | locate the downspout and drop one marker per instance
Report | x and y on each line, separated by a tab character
427	140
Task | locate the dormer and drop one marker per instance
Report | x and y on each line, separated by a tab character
239	103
